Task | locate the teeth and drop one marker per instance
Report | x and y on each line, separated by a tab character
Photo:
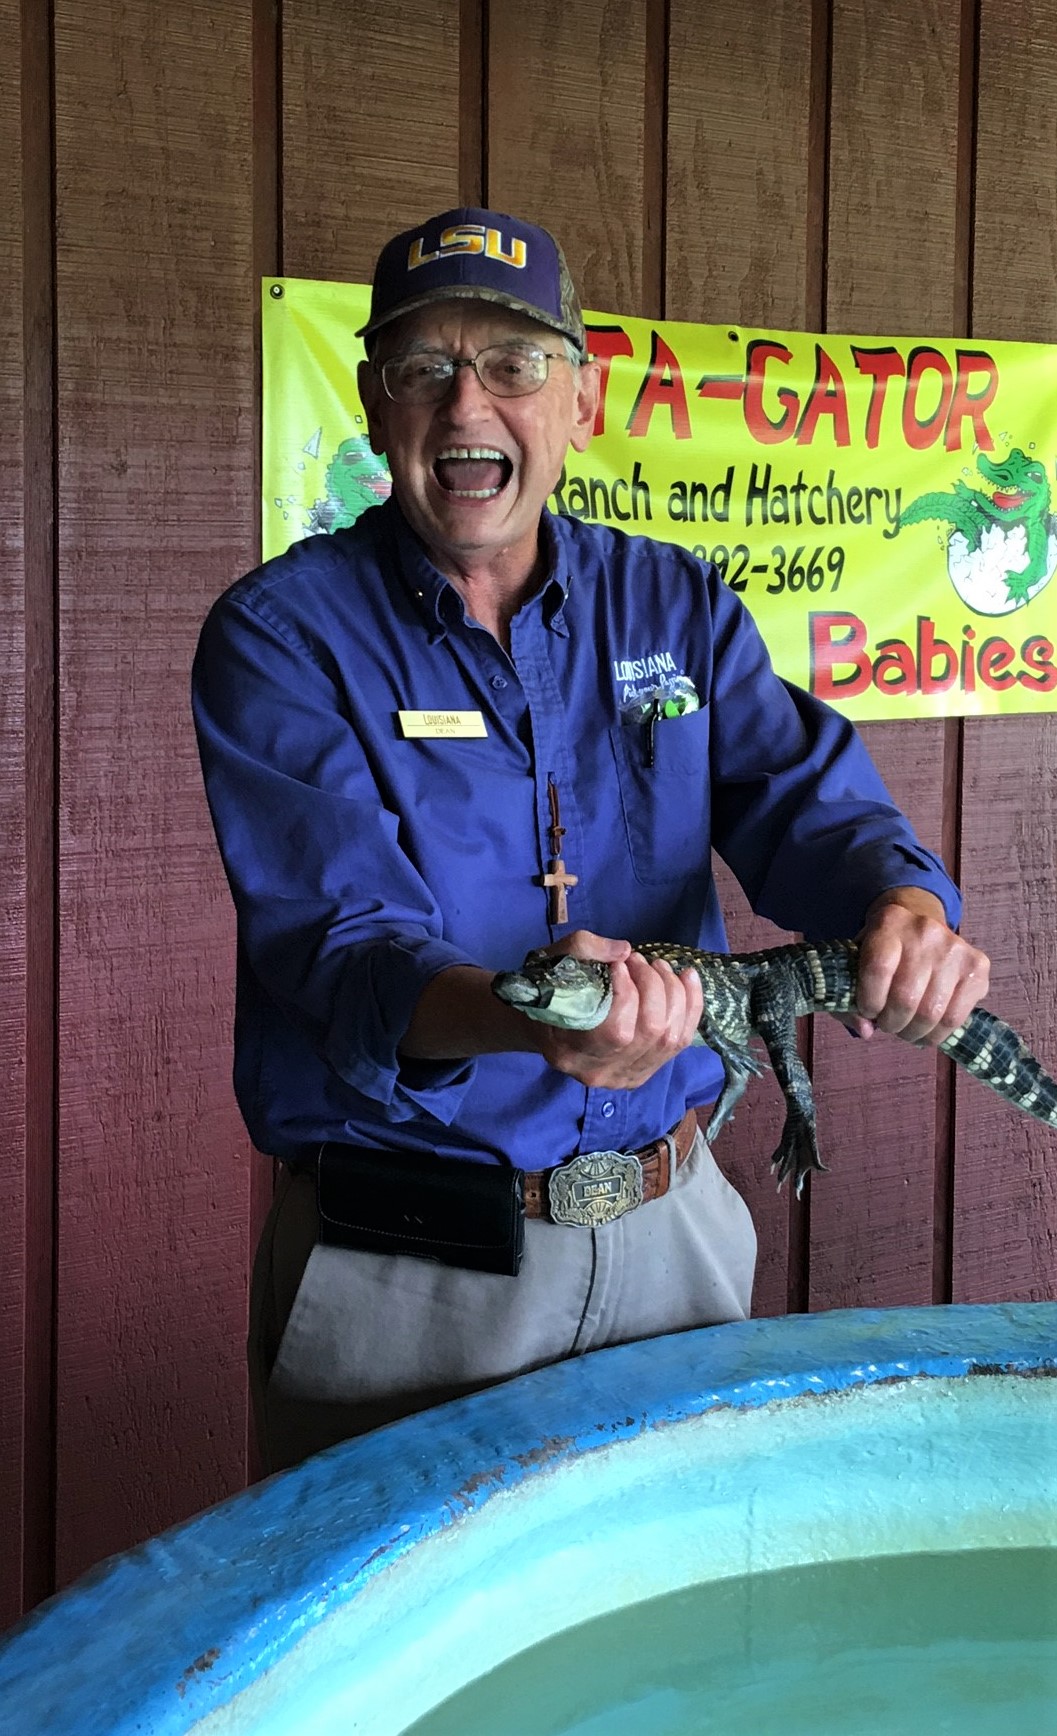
472	452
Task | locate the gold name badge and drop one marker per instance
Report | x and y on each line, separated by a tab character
436	724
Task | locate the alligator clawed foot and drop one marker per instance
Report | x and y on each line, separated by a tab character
797	1153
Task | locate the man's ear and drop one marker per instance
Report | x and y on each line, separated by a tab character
370	388
588	387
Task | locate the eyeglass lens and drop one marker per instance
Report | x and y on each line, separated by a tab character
505	370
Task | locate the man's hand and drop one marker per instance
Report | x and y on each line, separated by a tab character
654	1016
917	978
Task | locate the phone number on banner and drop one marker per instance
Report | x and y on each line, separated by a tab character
798	569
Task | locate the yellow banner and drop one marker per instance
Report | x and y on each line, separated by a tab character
882	505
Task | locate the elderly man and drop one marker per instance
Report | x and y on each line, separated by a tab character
420	765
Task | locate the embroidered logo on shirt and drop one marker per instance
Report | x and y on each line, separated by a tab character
644	668
654	684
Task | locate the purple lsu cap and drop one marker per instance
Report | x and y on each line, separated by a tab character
480	256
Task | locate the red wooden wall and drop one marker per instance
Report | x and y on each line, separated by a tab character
805	163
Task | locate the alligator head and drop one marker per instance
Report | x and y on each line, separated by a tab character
1021	486
572	992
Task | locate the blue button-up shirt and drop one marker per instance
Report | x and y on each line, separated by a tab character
363	861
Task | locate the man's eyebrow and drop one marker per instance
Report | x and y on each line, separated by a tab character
418	348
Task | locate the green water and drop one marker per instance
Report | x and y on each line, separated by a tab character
912	1645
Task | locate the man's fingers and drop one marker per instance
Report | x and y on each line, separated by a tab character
653	1016
918	980
654	984
693	1006
669	1005
944	1005
856	1023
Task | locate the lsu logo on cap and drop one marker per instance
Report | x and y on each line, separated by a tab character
469	238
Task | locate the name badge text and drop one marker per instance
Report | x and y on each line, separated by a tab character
437	724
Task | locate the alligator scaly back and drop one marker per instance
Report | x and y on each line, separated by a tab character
762	994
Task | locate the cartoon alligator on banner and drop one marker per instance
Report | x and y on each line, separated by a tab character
355	479
1013	526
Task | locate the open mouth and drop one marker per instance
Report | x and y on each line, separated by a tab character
1008	502
472	472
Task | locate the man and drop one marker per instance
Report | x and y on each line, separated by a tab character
421	764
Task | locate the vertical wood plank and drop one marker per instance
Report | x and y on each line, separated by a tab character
12	837
738	221
873	1217
156	306
894	167
38	456
471	102
741	236
566	100
370	130
1005	1201
1005	1204
892	267
1014	284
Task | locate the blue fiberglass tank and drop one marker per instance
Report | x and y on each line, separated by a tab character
841	1524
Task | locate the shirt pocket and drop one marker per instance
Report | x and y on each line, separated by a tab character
666	804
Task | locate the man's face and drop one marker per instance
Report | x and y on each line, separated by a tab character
472	473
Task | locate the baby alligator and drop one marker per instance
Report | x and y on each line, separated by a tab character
763	994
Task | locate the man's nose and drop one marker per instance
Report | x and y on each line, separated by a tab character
466	394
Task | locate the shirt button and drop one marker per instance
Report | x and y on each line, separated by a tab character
609	1109
498	682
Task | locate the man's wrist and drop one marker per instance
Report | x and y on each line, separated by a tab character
457	1017
917	899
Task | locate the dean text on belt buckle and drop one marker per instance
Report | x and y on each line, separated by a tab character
595	1188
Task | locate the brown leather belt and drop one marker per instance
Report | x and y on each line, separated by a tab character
598	1186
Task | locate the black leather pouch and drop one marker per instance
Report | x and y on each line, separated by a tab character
393	1202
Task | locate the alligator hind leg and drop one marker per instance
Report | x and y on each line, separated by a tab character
797	1151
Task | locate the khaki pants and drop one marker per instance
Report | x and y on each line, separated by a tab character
342	1342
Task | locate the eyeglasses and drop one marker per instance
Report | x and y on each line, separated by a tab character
505	370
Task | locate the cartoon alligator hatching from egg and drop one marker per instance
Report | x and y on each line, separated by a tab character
1012	526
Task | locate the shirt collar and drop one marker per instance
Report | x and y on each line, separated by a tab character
439	602
427	588
555	589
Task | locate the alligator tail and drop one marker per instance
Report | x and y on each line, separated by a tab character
992	1052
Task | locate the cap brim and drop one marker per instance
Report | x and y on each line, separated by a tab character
472	292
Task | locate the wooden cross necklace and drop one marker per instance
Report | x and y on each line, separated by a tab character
556	879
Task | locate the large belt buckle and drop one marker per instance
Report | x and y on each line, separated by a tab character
594	1188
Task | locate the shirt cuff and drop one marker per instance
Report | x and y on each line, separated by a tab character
879	870
380	989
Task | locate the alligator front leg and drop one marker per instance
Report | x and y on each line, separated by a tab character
774	1017
739	1066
